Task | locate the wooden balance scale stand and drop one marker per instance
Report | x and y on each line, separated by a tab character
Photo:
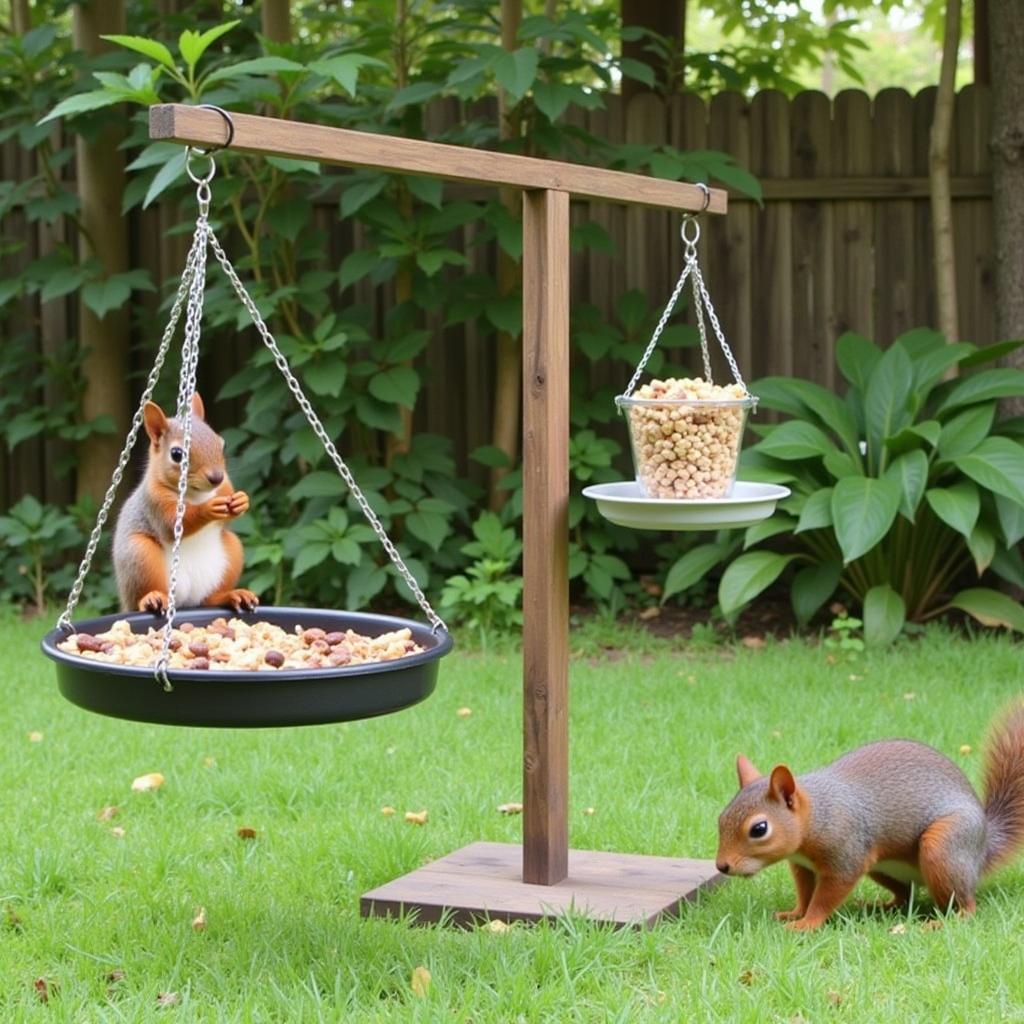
542	877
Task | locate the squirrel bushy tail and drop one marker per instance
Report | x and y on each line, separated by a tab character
1004	787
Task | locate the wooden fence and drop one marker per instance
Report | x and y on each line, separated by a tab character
842	242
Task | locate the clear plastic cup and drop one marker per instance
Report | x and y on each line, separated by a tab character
685	449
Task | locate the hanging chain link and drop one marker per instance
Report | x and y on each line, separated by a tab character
318	428
64	622
701	302
186	391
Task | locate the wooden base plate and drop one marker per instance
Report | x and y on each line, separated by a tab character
484	881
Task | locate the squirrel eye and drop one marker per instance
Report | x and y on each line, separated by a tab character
177	454
759	830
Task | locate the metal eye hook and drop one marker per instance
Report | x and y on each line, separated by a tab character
231	130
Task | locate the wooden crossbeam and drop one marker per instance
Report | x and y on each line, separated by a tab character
198	126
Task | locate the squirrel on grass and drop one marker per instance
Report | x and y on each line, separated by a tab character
897	811
210	556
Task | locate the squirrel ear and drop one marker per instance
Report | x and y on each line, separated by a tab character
782	785
197	406
156	421
745	771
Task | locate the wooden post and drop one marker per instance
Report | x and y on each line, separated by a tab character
545	536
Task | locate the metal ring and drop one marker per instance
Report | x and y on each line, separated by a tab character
687	221
231	129
199	179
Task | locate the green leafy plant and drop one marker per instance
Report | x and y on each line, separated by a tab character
486	597
901	489
845	636
36	538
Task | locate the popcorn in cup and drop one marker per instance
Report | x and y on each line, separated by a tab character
685	435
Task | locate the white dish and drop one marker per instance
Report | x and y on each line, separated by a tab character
624	504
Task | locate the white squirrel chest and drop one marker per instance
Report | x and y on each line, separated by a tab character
202	562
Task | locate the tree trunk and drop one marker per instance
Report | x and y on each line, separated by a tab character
668	19
938	165
508	371
21	19
1006	40
105	343
275	20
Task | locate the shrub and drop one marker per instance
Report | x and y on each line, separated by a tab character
900	489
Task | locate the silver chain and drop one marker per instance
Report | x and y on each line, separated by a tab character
701	302
186	391
318	428
64	622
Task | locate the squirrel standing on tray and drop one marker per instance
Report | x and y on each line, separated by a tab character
896	810
210	559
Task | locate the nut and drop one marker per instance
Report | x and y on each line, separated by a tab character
87	642
275	658
199	648
200	663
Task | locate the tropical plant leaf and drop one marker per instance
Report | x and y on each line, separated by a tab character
830	410
964	432
887	402
857	358
812	587
997	464
1002	382
982	546
910	473
691	567
795	439
747	576
770	527
1010	514
956	506
988	353
911	437
863	510
990	608
817	511
884	615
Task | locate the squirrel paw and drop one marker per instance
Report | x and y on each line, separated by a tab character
155	601
242	600
238	503
788	915
805	924
219	507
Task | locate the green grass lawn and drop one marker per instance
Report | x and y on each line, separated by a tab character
655	729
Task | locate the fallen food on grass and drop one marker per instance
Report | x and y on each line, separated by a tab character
237	645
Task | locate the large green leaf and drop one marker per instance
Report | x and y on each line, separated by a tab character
516	71
964	432
863	510
982	545
884	615
747	577
321	483
911	437
831	411
693	566
990	608
840	464
956	506
817	511
83	102
1002	382
1011	519
770	527
1008	564
988	353
795	439
910	473
930	369
812	587
857	358
998	464
887	402
148	47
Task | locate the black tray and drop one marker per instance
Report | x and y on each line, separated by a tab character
252	699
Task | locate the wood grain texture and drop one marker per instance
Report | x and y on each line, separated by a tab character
482	881
174	122
545	535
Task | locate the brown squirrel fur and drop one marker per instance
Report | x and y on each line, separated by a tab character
211	557
897	811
